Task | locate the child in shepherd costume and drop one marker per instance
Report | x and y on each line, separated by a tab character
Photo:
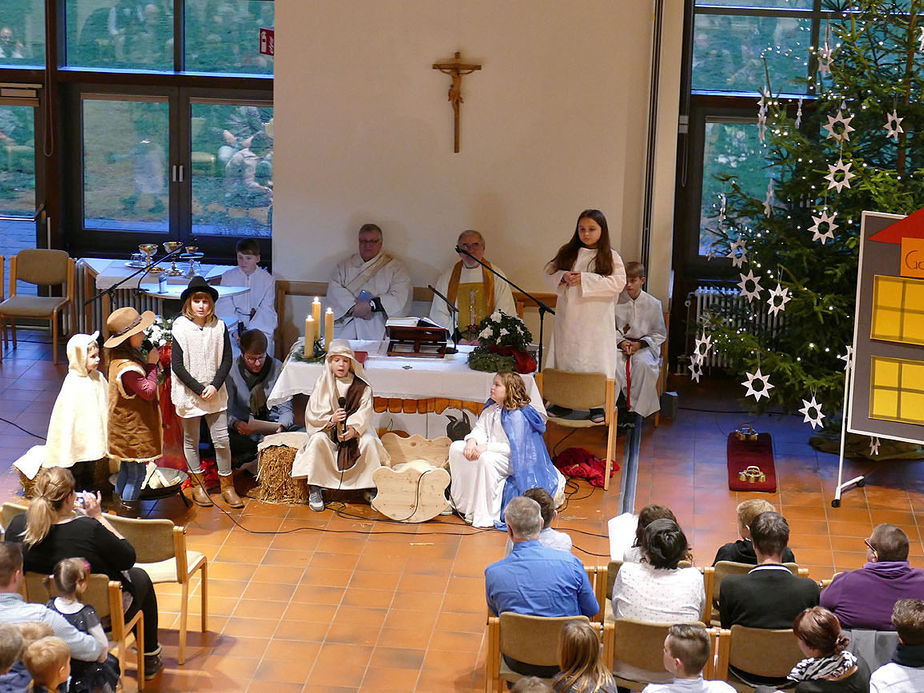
343	449
503	456
78	429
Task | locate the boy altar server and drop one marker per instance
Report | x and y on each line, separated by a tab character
251	310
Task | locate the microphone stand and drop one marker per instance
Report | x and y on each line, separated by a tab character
543	308
453	312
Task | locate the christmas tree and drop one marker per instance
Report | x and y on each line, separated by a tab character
855	144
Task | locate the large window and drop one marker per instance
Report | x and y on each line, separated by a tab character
17	184
22	33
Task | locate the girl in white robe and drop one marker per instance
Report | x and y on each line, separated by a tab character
78	429
588	276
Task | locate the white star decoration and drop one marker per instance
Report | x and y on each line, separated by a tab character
799	114
702	346
765	388
828	233
710	254
785	295
807	408
769	199
838	135
824	58
922	38
874	446
738	259
833	170
893	125
753	293
723	203
847	356
696	368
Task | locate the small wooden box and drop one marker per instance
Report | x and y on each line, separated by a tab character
425	342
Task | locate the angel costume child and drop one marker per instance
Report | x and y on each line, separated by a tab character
78	429
504	456
343	449
588	276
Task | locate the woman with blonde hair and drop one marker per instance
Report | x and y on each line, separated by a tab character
502	457
829	667
581	661
60	523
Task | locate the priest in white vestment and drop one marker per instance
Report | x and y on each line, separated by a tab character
641	331
368	288
584	332
253	309
473	290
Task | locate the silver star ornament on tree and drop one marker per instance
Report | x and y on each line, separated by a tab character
750	294
893	125
842	134
825	58
738	259
763	390
696	368
702	346
834	169
874	446
826	219
785	296
807	411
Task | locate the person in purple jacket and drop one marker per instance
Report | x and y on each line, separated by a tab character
864	598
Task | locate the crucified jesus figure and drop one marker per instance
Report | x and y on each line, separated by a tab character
456	69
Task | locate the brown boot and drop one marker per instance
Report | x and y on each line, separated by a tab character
228	493
199	495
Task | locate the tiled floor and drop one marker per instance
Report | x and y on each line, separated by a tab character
342	602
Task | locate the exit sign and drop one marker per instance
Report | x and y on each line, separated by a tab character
267	42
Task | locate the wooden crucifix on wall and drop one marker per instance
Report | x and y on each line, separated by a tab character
456	69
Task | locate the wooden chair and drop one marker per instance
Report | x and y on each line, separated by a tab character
10	510
160	549
528	639
723	569
41	267
105	596
582	391
639	645
606	578
759	651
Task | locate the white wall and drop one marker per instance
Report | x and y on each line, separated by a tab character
553	123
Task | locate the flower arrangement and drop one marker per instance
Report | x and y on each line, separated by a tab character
158	335
503	341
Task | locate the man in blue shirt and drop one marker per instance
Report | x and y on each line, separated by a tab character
536	580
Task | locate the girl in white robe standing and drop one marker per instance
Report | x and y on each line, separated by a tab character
588	276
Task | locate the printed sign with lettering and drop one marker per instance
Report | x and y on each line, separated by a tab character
912	257
267	42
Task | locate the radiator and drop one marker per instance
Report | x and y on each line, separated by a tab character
735	311
90	317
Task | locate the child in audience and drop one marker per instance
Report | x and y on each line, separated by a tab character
503	456
742	551
640	332
201	361
580	658
135	434
253	309
829	666
10	649
905	673
77	430
686	650
70	577
548	536
49	662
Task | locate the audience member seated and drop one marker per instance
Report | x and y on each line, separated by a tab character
472	289
769	596
646	516
864	598
686	649
15	610
548	536
49	663
367	288
253	309
531	684
536	580
742	551
905	673
829	667
656	590
252	377
640	332
580	659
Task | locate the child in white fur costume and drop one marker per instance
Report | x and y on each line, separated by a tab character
78	429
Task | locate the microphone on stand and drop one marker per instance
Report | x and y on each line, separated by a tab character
341	426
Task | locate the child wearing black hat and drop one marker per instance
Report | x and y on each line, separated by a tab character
201	361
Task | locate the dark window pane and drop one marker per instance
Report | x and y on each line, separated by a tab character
787	4
731	148
17	184
125	164
728	53
125	34
232	169
224	36
22	33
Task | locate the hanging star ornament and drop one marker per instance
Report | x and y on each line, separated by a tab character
893	125
825	58
834	133
696	368
738	259
833	170
765	386
710	253
769	199
874	446
702	346
762	116
785	296
806	411
827	220
799	115
751	294
847	357
921	39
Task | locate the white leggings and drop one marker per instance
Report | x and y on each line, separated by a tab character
218	429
